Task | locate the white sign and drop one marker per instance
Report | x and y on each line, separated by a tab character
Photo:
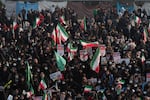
127	60
60	49
116	57
56	76
10	97
93	80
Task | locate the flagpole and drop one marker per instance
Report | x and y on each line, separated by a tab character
56	35
143	64
99	67
59	37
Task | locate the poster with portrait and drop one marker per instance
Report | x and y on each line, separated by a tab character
83	55
103	50
116	57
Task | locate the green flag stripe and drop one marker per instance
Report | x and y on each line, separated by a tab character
63	30
61	62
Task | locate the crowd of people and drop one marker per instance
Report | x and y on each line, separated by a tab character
34	45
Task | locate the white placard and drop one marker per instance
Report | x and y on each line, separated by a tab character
10	97
56	76
127	60
116	57
60	49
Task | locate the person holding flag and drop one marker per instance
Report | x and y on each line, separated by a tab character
42	84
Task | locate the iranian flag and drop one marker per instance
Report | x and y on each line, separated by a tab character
30	93
71	51
94	64
70	48
142	58
28	75
87	88
45	97
61	62
53	36
62	20
70	56
15	25
145	35
56	37
89	44
37	22
137	20
121	81
42	85
83	24
62	33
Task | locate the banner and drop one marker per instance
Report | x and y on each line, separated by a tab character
44	5
123	7
84	9
60	49
26	5
10	9
146	7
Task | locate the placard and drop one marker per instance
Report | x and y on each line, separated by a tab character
103	61
60	49
103	50
116	57
10	97
90	52
56	76
83	55
127	60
